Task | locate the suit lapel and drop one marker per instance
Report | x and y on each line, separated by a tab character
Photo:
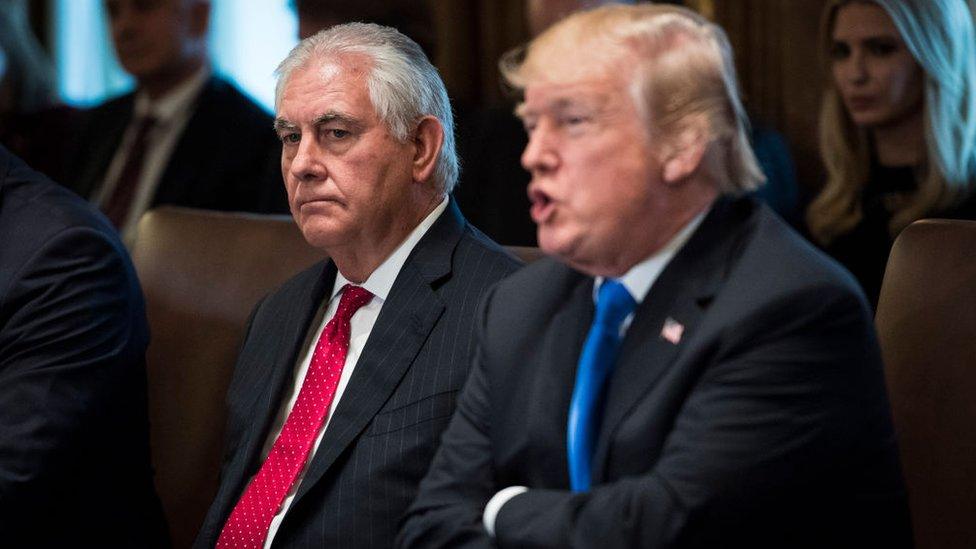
108	125
680	296
409	315
267	395
553	385
193	155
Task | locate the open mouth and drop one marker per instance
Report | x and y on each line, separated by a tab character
542	205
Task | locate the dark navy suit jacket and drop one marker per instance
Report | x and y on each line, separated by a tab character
74	439
227	157
766	424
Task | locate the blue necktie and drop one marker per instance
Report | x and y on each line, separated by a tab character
613	304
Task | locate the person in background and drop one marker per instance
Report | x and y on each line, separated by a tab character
897	126
348	373
185	137
74	431
685	370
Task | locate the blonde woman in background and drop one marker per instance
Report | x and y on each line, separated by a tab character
897	128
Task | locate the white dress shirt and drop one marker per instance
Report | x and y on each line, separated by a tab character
172	112
379	283
638	281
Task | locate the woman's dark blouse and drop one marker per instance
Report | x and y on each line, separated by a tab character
864	250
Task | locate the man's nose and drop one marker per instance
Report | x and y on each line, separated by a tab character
856	69
307	162
540	154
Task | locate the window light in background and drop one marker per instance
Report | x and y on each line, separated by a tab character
248	38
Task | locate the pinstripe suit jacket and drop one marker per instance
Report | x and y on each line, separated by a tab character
385	429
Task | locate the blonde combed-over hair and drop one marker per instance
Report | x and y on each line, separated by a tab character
682	73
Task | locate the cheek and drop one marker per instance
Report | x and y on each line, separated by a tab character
837	73
607	181
903	81
285	171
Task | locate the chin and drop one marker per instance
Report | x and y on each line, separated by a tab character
561	246
549	242
322	238
869	120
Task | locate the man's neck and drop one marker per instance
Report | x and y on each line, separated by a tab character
357	262
159	85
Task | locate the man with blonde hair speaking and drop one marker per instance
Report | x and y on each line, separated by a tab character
686	371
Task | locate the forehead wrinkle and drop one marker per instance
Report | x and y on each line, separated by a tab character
582	96
333	116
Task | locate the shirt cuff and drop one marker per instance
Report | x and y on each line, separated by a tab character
495	505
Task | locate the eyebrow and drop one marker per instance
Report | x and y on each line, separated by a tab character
880	35
558	105
282	124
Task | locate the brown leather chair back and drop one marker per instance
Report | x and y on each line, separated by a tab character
927	326
202	273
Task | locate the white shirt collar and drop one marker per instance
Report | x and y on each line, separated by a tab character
177	101
639	279
380	282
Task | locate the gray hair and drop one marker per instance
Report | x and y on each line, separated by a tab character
403	85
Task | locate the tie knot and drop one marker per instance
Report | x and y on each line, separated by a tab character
353	297
613	303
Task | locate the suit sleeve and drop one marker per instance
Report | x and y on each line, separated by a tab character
72	323
452	497
788	386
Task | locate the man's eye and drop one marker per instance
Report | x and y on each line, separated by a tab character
573	121
881	49
336	133
839	51
291	138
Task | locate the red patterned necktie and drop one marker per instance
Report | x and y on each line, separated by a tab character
119	203
250	520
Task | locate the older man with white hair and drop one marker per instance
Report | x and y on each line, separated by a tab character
349	371
686	371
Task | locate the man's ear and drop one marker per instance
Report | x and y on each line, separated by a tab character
684	155
428	139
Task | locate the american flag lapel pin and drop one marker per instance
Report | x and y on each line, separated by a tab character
672	330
